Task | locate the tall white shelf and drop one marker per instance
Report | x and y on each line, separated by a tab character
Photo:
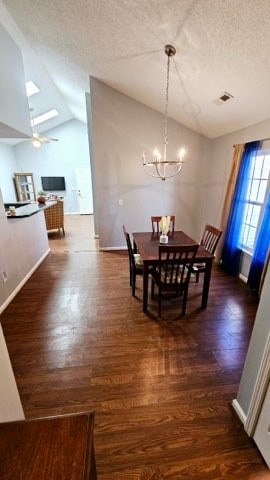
25	188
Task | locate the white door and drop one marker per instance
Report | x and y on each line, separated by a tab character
84	190
262	432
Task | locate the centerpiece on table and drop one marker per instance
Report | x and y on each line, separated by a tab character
164	227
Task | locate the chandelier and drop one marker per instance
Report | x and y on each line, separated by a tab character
161	167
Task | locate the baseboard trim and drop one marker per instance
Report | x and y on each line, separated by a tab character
239	411
24	280
108	249
243	278
259	391
78	213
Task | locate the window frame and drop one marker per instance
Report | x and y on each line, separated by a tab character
265	152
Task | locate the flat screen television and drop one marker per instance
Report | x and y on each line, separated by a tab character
53	184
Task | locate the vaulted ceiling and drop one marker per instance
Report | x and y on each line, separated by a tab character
222	45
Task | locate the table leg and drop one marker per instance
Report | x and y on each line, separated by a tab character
145	287
206	283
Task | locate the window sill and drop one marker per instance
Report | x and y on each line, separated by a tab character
247	253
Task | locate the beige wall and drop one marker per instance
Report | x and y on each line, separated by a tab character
121	129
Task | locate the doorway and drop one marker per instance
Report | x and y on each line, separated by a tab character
84	190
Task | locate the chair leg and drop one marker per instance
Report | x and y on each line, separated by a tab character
159	302
184	304
152	289
197	277
133	283
130	276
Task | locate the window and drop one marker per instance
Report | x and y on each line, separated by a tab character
258	185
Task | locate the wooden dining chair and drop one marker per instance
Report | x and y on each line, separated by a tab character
155	223
173	272
209	241
135	262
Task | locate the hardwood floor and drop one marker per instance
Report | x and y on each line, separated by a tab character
161	389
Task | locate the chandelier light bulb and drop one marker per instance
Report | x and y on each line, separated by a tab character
182	153
36	143
157	154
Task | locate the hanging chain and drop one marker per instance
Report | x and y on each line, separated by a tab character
167	102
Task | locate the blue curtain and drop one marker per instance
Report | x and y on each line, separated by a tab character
261	249
231	253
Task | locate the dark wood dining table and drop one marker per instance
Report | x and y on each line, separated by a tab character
147	244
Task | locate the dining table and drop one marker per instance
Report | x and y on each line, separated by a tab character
147	244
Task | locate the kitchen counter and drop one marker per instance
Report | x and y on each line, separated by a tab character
23	246
27	210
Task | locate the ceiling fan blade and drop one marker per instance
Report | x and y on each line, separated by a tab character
44	139
37	137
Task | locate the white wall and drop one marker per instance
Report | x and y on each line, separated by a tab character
8	167
58	159
258	341
14	111
121	129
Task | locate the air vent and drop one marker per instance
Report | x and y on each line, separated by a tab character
223	97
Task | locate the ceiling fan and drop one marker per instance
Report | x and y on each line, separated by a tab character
37	139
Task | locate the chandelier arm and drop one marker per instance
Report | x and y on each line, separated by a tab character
158	170
164	177
159	175
150	173
171	175
174	162
175	173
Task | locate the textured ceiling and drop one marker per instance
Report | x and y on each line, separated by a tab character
222	45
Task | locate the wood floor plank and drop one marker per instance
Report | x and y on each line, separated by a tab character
161	388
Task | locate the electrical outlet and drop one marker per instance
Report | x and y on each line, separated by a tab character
120	201
4	276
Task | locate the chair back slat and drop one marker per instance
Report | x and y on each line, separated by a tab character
173	272
210	238
129	247
175	262
135	264
209	241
